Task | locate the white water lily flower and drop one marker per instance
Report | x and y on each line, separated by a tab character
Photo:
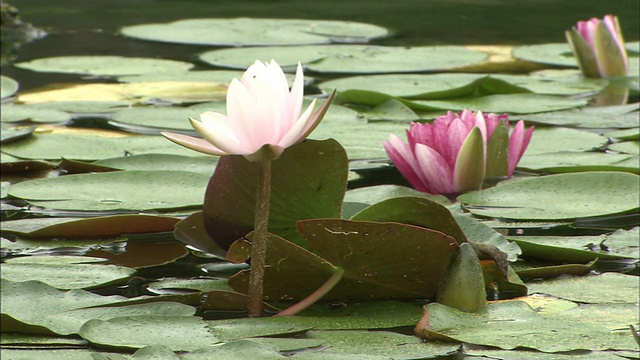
263	116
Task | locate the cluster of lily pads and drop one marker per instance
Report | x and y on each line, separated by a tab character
86	177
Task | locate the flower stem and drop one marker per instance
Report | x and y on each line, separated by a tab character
259	243
315	296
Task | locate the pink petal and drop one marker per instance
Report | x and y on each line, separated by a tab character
435	169
404	160
300	128
193	143
518	143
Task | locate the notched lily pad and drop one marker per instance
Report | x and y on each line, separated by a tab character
8	87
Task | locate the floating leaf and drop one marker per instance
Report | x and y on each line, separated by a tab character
354	59
192	232
361	344
89	147
557	197
571	161
103	65
607	288
138	256
8	87
39	114
27	305
297	191
179	333
576	249
97	227
118	190
172	91
501	103
627	134
160	117
9	134
512	324
628	147
552	140
416	267
620	116
255	31
195	284
166	162
234	329
64	272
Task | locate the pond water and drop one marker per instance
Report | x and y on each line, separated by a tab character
563	238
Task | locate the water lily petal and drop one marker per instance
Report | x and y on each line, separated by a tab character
299	129
518	143
404	160
222	136
194	143
469	169
435	169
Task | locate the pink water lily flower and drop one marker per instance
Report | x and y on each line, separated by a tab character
263	116
599	48
457	151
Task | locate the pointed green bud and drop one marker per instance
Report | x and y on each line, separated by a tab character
498	152
584	55
463	286
469	169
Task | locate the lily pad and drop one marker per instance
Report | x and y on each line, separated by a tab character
511	324
34	113
609	288
170	91
554	140
179	333
89	147
297	191
501	103
353	59
166	162
159	117
628	147
627	134
557	197
26	305
103	65
141	255
571	161
389	344
64	272
15	133
97	227
256	31
8	87
620	116
118	190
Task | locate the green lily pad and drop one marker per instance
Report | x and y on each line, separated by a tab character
511	324
627	134
620	116
607	288
571	161
553	140
35	113
94	108
159	117
360	139
234	329
26	305
179	333
64	272
97	227
104	65
8	87
143	255
166	162
353	59
576	249
191	231
9	134
255	31
118	190
384	343
627	147
557	197
89	147
199	284
503	103
297	191
373	89
567	85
